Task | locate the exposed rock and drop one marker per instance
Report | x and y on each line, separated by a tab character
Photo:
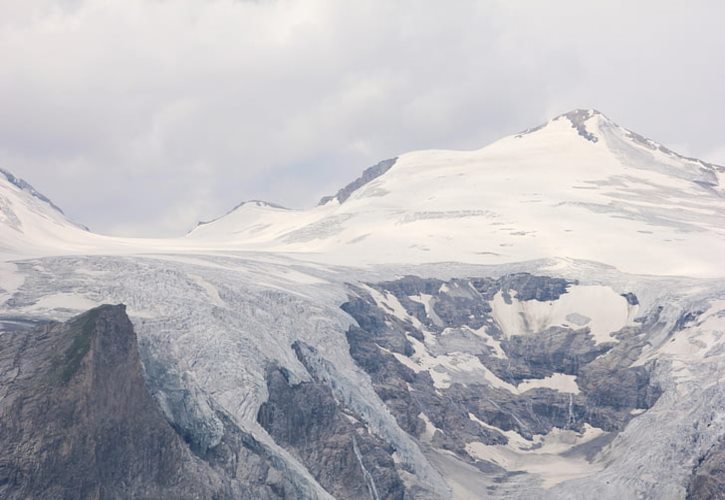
555	350
578	119
632	299
326	436
448	414
530	287
708	477
76	421
368	175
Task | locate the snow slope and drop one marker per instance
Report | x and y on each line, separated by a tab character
579	187
30	221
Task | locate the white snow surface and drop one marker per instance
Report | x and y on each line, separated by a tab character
550	193
597	308
545	461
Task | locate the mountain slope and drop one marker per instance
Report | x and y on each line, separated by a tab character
551	384
578	187
29	221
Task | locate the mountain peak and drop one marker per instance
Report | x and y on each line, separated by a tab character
28	219
261	204
582	112
600	182
579	119
584	120
245	205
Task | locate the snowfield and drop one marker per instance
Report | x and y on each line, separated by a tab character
616	198
549	193
580	199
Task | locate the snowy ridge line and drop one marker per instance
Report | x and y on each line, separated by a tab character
555	192
498	203
25	186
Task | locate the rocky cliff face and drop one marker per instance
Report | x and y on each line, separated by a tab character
708	477
76	421
492	371
329	438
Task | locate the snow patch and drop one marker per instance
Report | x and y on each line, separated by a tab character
463	368
605	310
693	343
390	303
428	301
62	301
546	458
558	382
430	428
10	280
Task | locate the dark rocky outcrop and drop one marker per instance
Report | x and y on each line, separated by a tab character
708	477
530	287
25	186
578	119
328	438
368	175
77	421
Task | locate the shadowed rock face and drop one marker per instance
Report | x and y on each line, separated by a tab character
329	438
76	421
708	477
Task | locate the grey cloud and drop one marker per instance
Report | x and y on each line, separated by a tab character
141	117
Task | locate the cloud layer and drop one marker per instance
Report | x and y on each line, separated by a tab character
142	116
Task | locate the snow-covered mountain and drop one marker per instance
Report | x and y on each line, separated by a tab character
540	318
29	220
578	187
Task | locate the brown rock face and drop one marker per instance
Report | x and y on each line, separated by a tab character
708	478
348	461
77	421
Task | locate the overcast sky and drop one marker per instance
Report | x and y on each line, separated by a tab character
140	117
